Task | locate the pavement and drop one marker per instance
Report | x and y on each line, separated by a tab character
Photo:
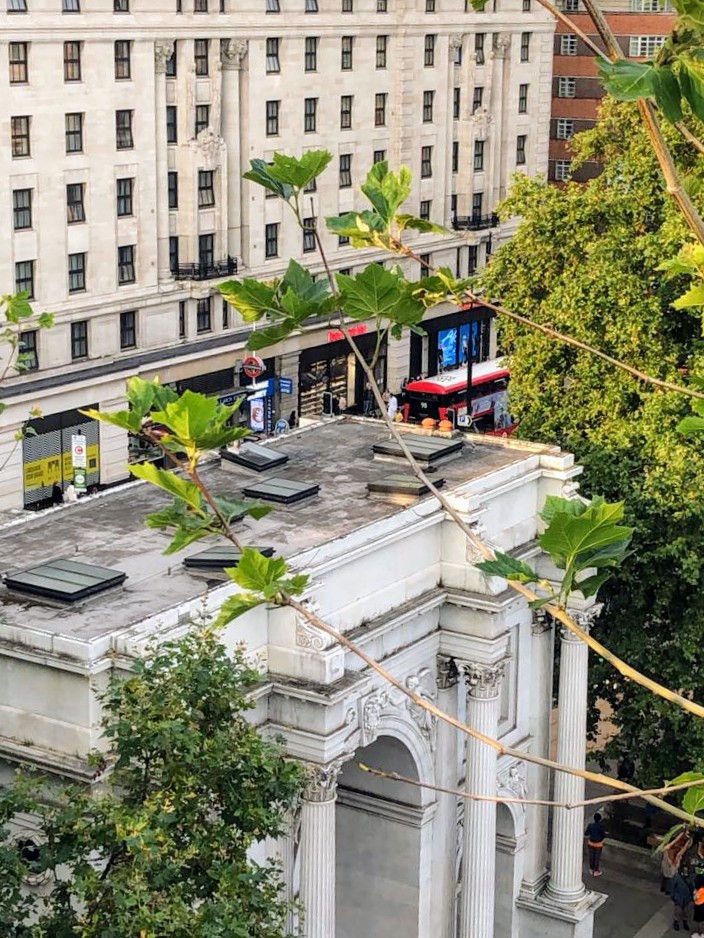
635	907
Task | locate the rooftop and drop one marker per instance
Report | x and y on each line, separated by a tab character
108	530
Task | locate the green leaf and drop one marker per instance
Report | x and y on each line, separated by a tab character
17	307
555	506
378	292
188	526
140	395
590	585
199	422
45	320
684	777
693	800
253	299
667	93
510	568
691	77
669	837
297	172
235	510
169	482
257	573
387	190
691	426
270	335
590	539
627	80
693	297
362	228
235	606
125	419
299	280
261	175
423	225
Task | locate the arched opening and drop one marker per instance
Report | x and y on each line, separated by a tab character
379	834
506	885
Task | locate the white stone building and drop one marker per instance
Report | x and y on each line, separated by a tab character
366	856
127	126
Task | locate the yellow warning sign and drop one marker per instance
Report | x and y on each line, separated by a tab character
42	473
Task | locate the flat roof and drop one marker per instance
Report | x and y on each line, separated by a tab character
108	529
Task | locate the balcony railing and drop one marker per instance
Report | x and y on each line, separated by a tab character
474	222
205	271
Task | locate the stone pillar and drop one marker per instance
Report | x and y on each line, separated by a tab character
317	851
479	857
566	884
287	853
534	871
233	53
445	821
163	50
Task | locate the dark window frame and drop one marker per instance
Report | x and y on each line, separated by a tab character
25	277
126	264
345	171
310	54
123	60
346	53
73	123
479	153
75	203
206	188
521	144
525	47
72	61
18	62
271	240
124	196
124	129
21	209
426	162
21	136
428	106
172	189
523	98
77	272
479	43
171	124
273	109
309	244
128	329
346	105
79	340
202	118
310	115
29	349
429	50
204	315
382	46
201	57
380	99
273	62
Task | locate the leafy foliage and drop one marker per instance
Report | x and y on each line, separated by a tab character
162	852
578	537
16	315
586	260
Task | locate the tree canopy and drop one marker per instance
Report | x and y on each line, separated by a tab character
585	261
163	850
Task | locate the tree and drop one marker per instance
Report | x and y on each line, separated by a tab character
585	261
162	852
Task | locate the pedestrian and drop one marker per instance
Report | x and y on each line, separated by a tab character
57	496
681	896
70	495
698	905
367	400
392	406
292	420
595	834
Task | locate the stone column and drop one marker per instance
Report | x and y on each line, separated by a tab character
479	857
233	53
163	50
534	871
317	851
566	884
445	821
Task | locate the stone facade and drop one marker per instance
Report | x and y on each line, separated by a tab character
194	88
365	855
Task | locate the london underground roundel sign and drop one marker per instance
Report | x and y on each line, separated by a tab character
253	366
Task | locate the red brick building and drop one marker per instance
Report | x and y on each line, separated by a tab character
640	27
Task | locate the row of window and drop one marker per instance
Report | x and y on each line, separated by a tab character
272	6
126	271
638	46
206	189
21	137
18	59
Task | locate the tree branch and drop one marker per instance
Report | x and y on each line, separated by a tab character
499	799
569	340
689	136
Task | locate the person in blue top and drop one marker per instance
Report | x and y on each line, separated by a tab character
595	834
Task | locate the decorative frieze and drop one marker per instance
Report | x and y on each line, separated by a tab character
423	685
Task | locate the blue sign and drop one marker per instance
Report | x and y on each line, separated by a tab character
286	385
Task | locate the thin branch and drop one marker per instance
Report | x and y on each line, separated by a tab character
688	135
317	622
572	26
585	347
499	799
652	126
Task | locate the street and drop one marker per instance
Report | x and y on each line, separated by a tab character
635	907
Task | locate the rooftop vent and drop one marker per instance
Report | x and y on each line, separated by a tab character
428	450
284	491
255	457
217	558
65	580
401	490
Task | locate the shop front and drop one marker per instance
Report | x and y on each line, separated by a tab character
333	368
47	458
449	340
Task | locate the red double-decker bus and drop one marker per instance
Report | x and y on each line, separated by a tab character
444	397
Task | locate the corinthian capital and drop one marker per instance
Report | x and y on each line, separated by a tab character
233	53
484	680
321	782
163	50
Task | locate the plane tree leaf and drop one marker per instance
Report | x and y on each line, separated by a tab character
508	567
